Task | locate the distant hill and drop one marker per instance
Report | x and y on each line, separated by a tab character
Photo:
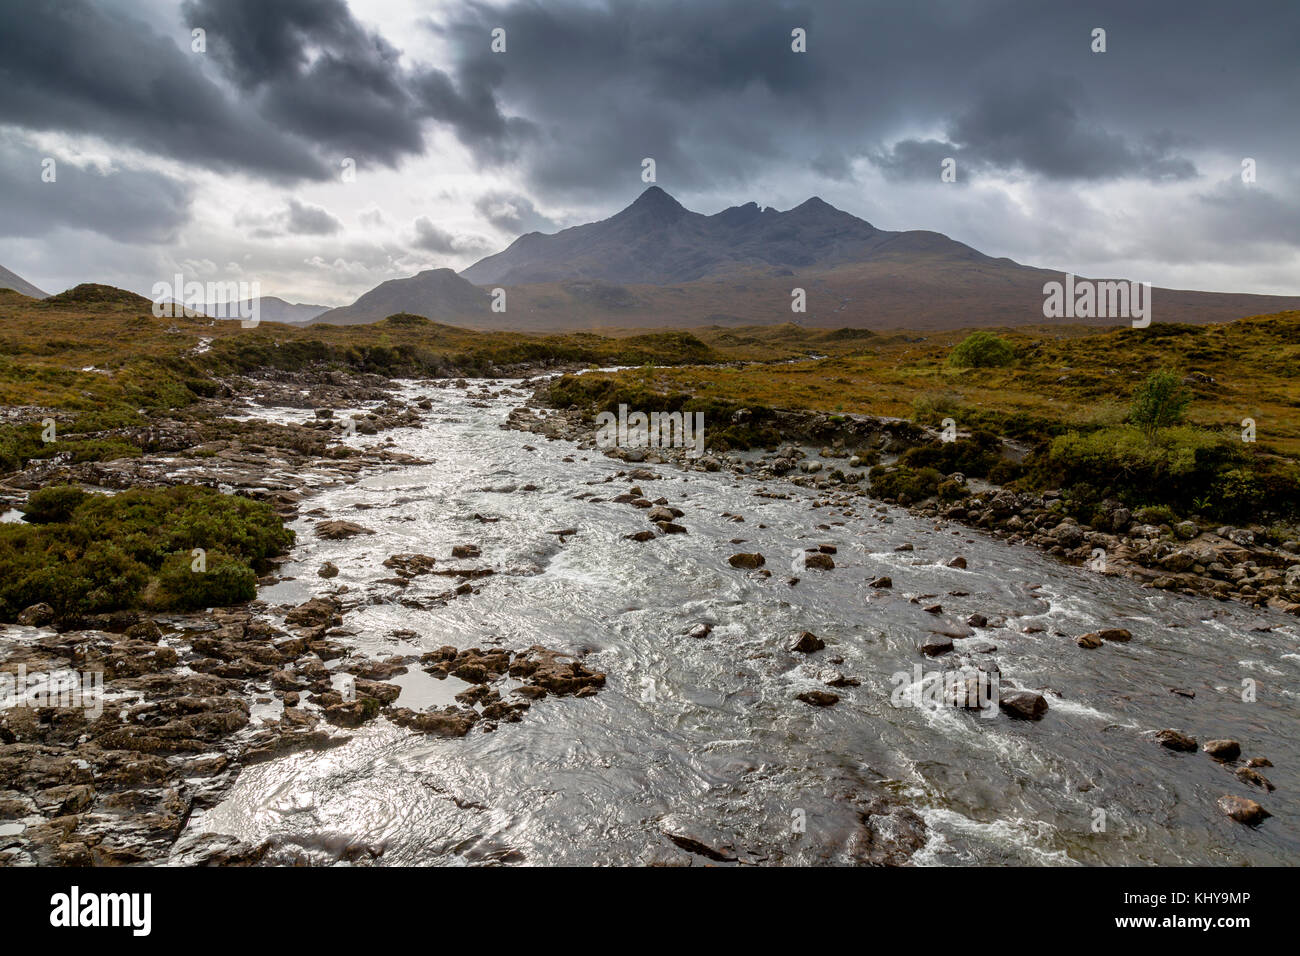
271	309
10	280
437	294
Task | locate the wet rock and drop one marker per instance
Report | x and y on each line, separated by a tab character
818	698
748	561
882	582
318	612
338	530
936	645
1116	634
640	536
693	844
352	713
805	642
818	562
1023	705
1254	777
328	570
1222	749
957	562
700	631
833	678
889	835
449	722
411	564
560	674
1259	762
668	527
1243	809
38	615
977	620
1176	740
65	798
466	551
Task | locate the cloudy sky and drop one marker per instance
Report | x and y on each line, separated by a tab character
321	146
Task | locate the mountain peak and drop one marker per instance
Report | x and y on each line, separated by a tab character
658	203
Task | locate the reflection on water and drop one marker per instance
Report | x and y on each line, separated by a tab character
706	733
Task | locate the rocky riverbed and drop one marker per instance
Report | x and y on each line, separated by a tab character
833	455
494	644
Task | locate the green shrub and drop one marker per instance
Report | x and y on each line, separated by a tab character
223	581
982	349
904	485
97	553
53	504
1159	401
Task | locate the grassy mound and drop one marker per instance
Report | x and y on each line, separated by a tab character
88	554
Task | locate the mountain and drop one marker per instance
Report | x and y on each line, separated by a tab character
271	308
657	241
274	309
9	280
657	263
437	294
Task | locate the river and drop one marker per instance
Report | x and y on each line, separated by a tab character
704	736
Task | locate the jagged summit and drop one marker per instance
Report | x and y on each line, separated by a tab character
657	241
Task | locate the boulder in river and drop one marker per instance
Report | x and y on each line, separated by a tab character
818	698
1176	740
1223	749
882	582
337	530
328	570
818	562
748	561
1243	809
1023	705
1254	777
805	642
1091	640
935	645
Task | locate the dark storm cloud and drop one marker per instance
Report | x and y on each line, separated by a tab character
714	93
432	238
296	219
312	68
1037	130
133	206
512	213
72	67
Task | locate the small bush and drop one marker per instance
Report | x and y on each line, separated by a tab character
982	349
53	504
904	485
1159	401
94	553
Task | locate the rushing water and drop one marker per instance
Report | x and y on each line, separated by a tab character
704	736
